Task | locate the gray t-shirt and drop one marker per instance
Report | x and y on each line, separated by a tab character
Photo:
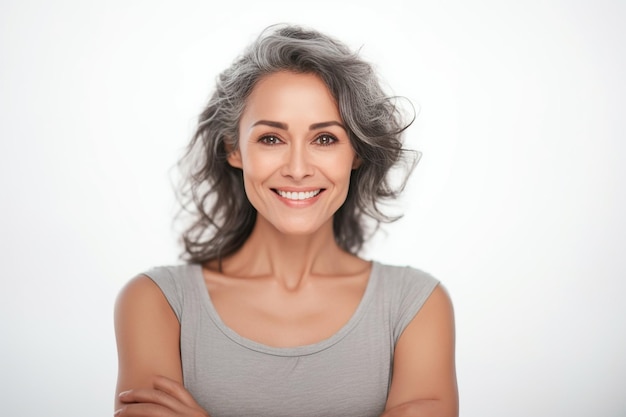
346	375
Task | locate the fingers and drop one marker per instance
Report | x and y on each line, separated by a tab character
168	398
144	410
175	389
141	409
150	396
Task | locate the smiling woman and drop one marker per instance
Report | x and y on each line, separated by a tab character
292	145
275	314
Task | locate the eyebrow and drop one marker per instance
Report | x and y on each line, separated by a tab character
270	123
322	125
285	126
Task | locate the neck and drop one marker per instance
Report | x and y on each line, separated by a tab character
289	259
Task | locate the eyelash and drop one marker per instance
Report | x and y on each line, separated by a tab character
332	139
276	140
264	140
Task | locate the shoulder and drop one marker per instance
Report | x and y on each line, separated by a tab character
140	298
404	275
158	292
140	290
157	287
405	290
173	282
405	282
170	273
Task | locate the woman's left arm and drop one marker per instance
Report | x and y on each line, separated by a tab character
424	375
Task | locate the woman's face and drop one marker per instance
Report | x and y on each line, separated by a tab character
295	152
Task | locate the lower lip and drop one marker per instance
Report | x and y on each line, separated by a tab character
299	203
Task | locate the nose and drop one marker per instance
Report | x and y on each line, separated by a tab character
297	164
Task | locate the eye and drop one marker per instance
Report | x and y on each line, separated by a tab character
325	140
270	140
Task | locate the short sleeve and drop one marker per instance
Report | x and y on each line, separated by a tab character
170	286
409	291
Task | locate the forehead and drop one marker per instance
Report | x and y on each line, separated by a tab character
290	95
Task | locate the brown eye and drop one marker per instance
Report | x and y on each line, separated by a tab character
325	140
270	140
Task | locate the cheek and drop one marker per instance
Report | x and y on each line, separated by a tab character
340	167
255	170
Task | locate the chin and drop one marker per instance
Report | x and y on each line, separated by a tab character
297	231
298	228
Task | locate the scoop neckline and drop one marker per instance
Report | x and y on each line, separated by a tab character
302	350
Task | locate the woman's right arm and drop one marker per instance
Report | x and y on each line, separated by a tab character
148	337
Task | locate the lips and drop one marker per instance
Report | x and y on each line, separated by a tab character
298	195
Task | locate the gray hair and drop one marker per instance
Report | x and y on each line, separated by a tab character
213	191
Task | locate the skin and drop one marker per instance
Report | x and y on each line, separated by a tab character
290	284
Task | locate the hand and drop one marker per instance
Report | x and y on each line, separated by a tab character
167	398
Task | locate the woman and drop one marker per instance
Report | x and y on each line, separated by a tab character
275	314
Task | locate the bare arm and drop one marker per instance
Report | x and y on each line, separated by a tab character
148	346
424	376
147	333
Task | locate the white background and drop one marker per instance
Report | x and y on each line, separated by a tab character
517	205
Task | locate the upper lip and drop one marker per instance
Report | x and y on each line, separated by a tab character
297	190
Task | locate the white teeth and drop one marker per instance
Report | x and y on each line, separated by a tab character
298	195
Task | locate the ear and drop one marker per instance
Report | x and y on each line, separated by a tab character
233	156
356	162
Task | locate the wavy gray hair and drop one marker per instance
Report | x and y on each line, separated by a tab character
212	190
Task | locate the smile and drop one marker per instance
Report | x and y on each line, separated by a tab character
298	195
